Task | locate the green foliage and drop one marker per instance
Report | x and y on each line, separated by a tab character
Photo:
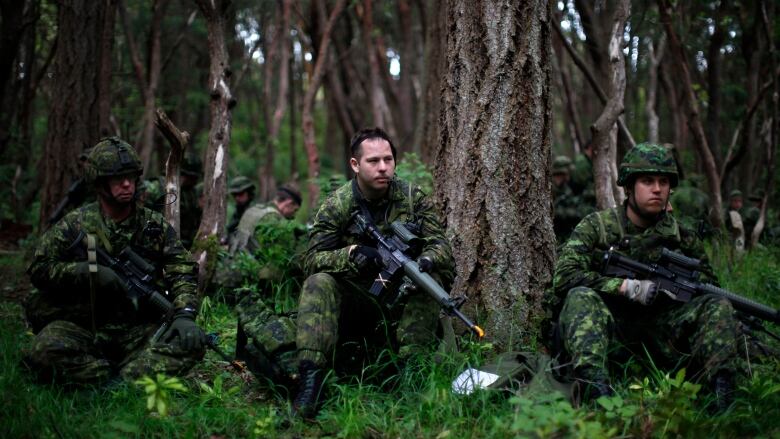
216	393
412	169
157	391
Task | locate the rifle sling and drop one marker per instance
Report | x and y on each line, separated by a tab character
93	269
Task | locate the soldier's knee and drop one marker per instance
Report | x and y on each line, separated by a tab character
318	282
583	296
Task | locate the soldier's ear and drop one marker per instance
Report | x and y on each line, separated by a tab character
353	163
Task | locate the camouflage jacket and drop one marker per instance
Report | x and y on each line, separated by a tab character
54	262
568	210
334	229
580	257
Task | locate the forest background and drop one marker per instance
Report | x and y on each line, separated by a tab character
484	94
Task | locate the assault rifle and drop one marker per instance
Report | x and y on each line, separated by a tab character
137	275
73	196
678	277
396	264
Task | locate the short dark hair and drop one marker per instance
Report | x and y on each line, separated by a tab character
366	134
288	193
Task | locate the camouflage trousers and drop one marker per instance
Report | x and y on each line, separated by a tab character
328	306
266	339
65	351
700	333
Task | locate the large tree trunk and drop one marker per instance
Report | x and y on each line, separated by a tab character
714	57
178	140
212	225
378	103
307	118
608	193
75	99
692	110
493	161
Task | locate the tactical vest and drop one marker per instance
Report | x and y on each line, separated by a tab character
243	238
644	247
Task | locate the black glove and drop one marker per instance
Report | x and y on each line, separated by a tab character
191	337
364	256
106	279
425	263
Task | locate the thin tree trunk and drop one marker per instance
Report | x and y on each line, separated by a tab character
179	140
435	65
378	104
691	108
212	224
105	67
771	143
655	54
714	69
307	118
74	100
608	193
493	161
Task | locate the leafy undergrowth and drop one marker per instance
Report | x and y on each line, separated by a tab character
214	401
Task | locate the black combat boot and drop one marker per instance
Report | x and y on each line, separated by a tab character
593	383
722	385
306	402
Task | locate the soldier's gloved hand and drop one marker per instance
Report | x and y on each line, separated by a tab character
425	263
364	256
106	279
642	291
191	337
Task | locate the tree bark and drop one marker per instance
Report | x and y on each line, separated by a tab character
179	140
74	100
691	108
212	224
714	69
378	104
105	66
493	161
307	118
604	130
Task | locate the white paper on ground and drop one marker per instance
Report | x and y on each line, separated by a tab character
471	379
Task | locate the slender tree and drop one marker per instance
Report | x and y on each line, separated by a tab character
212	224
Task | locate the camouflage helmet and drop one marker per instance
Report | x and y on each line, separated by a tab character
735	193
112	156
648	158
758	195
240	184
191	165
561	164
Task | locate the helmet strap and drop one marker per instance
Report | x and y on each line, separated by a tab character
648	216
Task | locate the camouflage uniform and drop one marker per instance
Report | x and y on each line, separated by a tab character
595	314
236	186
189	207
81	340
582	175
335	300
568	208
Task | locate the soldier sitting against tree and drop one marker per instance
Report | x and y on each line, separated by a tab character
343	263
87	329
599	310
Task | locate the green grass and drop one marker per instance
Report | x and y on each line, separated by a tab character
416	402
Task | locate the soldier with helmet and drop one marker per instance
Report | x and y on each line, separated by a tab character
243	191
86	328
599	311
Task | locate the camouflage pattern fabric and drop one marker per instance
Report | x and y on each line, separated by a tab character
648	158
64	296
243	238
191	214
750	215
270	334
595	315
335	298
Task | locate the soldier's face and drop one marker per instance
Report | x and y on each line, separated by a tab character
375	167
560	179
241	198
122	187
651	193
735	203
288	208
